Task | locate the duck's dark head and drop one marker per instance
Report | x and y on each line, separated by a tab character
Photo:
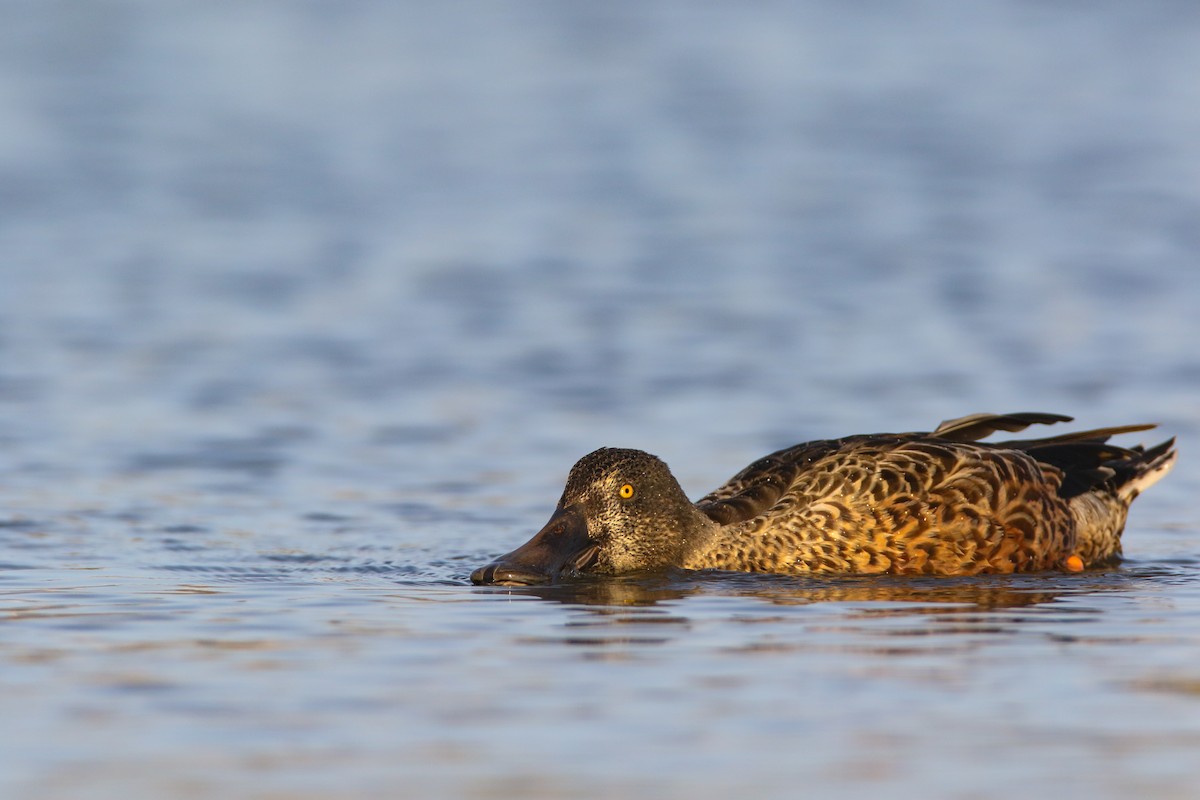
622	511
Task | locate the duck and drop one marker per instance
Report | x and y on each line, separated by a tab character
941	502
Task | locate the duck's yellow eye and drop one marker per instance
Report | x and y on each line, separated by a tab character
626	491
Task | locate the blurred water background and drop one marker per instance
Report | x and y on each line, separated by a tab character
307	308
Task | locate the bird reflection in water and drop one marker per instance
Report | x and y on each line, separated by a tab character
871	615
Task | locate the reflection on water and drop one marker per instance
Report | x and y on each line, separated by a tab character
922	595
629	611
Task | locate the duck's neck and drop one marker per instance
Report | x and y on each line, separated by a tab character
700	535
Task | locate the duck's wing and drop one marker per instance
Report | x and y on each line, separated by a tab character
764	483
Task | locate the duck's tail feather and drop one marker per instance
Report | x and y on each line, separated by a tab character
1149	470
1100	496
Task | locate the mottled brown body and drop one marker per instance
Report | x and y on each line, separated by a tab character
895	505
937	503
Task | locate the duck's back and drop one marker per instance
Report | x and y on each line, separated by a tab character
938	502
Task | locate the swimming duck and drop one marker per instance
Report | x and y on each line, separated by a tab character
936	503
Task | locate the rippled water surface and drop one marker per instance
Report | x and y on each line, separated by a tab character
306	310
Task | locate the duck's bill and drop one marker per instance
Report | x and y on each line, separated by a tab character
559	549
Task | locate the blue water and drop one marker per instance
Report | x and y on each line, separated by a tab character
306	309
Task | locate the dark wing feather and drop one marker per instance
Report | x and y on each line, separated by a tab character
1095	435
979	426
